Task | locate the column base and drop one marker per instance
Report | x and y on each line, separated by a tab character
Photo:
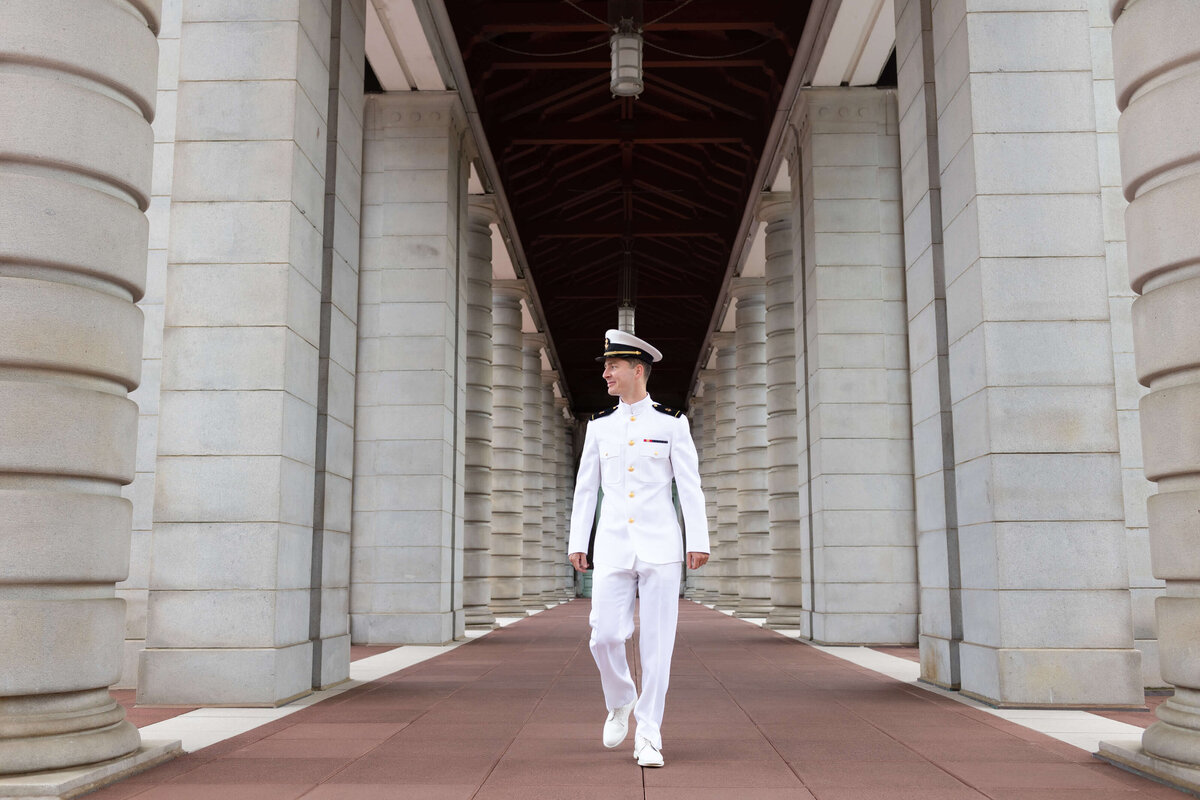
1131	756
265	677
754	608
509	608
939	661
62	731
478	617
785	618
1039	678
80	780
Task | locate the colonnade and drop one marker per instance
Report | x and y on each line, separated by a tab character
963	396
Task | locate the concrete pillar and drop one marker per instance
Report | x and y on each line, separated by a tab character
229	618
754	544
1041	533
804	325
696	422
1156	47
856	382
564	574
410	432
932	411
508	449
551	445
709	460
329	603
477	511
783	476
533	576
135	590
74	247
726	476
1144	587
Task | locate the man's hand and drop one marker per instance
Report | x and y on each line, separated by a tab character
579	561
696	560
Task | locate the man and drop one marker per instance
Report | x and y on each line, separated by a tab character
633	451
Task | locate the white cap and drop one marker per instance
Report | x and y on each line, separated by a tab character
619	344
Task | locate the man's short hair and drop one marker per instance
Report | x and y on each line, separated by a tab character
645	366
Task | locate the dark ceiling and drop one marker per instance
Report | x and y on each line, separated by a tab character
640	196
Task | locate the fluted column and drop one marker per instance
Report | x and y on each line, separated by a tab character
532	569
783	474
1156	51
74	261
754	546
549	468
508	450
477	513
726	472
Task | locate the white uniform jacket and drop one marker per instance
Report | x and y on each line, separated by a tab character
633	452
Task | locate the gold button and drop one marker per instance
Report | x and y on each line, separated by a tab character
631	442
631	520
655	452
631	494
631	469
633	419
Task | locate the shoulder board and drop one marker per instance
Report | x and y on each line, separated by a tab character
670	412
603	413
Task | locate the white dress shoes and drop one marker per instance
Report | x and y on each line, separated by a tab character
616	727
647	755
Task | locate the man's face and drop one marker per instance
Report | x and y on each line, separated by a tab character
620	375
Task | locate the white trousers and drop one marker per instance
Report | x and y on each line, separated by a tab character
613	591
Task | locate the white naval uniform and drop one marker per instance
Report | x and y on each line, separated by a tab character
633	453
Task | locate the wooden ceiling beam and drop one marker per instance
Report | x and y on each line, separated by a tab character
639	131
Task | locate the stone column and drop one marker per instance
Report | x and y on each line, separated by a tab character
135	589
329	603
74	256
508	449
754	545
1041	536
1156	48
477	511
709	464
783	476
696	421
230	611
940	631
411	390
856	372
532	569
726	473
564	574
549	468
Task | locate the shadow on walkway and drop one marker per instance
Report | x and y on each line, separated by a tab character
751	715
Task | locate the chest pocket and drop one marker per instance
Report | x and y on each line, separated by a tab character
654	462
610	465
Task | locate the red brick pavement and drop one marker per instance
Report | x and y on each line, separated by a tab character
751	715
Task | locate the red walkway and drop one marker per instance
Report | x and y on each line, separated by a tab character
751	716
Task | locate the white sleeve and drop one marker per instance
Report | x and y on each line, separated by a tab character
685	463
587	486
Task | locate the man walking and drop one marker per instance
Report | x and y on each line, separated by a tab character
633	451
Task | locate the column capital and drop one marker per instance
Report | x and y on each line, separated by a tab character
481	208
535	339
840	105
512	287
747	289
774	206
549	376
394	110
723	339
